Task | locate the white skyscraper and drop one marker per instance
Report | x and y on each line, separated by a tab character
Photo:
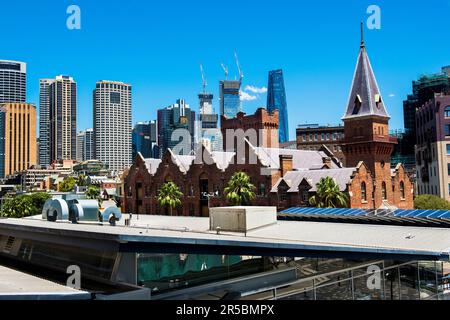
112	124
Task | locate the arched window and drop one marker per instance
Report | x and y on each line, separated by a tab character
402	190
447	112
363	192
383	191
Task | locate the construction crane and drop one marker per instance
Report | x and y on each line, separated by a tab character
203	78
241	75
225	69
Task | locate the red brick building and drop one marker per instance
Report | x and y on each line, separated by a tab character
263	123
366	126
207	173
283	177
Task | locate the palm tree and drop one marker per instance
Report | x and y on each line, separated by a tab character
93	193
81	180
169	195
239	190
328	195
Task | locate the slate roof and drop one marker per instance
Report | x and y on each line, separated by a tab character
365	97
269	157
301	159
293	179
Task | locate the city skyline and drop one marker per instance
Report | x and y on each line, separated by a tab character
302	51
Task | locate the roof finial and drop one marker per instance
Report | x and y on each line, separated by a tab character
362	35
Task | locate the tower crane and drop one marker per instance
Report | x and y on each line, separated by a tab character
204	83
225	69
241	74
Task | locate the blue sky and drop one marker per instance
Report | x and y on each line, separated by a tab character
157	47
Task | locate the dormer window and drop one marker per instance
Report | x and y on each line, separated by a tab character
358	103
378	101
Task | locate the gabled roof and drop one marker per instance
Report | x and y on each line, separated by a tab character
182	161
365	96
222	159
293	179
152	165
301	159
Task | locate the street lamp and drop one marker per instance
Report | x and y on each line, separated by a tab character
209	196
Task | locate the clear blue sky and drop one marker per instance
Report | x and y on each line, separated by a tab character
157	47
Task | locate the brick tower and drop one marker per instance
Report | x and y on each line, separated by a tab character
366	126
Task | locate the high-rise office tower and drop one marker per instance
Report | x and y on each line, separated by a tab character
112	124
17	137
209	132
13	81
85	145
276	100
145	139
62	118
44	122
423	90
230	100
171	119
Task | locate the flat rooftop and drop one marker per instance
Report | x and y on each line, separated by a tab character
18	285
166	234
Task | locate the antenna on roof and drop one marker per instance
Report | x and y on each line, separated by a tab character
362	35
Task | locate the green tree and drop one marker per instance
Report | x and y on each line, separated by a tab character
81	180
239	190
169	195
39	200
68	184
24	205
430	202
328	195
18	207
93	192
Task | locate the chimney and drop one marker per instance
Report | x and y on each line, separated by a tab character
285	164
327	162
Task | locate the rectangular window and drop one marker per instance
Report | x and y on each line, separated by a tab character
448	149
114	97
448	169
447	130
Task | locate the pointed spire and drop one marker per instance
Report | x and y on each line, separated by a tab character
365	96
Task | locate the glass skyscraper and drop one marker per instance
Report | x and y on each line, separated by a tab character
144	140
230	100
174	117
276	100
13	81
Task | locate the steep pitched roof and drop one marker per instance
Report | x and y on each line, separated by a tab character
293	179
183	162
365	96
152	165
301	159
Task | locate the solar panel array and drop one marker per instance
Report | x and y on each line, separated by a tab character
345	212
